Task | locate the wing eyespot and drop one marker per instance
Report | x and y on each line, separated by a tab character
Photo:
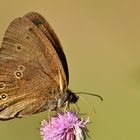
18	74
2	85
3	96
21	68
30	29
5	105
19	47
27	37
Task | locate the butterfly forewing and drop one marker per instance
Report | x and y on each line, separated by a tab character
41	23
32	77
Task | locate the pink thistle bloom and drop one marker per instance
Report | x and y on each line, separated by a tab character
64	126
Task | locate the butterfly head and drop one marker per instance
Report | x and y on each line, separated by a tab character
72	97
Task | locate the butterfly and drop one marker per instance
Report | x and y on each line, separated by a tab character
34	73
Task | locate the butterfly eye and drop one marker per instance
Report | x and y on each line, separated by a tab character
3	96
18	74
21	68
2	85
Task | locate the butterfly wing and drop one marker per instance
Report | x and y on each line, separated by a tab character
32	77
41	23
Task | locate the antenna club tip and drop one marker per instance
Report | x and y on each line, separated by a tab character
102	99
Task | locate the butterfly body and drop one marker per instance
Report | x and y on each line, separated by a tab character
33	68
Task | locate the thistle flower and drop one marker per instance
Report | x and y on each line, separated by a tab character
64	126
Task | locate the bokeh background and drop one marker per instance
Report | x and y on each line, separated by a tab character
101	40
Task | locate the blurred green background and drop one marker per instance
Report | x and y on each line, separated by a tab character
101	40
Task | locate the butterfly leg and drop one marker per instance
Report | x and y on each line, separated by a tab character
49	115
67	106
58	109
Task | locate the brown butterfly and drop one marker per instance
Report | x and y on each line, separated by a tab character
33	69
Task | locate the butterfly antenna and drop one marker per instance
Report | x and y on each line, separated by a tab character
91	94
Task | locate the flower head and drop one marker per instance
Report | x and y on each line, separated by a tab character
64	126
